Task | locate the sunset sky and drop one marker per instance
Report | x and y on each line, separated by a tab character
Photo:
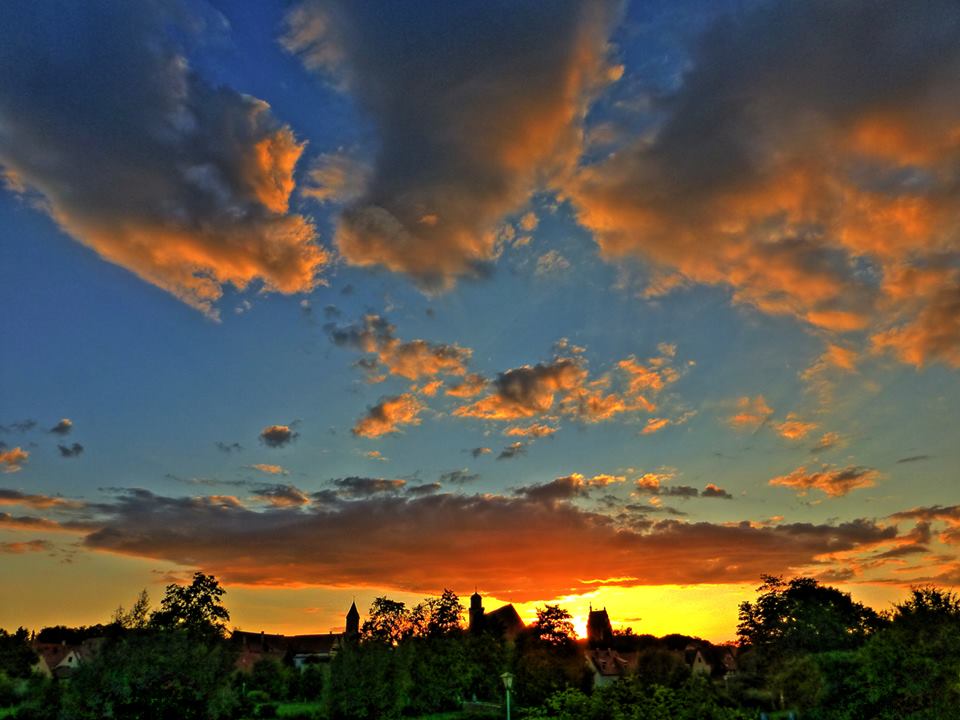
573	302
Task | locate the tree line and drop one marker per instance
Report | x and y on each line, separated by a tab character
803	647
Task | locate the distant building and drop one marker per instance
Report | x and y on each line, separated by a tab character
504	621
599	629
60	660
298	650
608	665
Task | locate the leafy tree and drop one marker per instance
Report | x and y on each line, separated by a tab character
137	617
388	622
912	668
802	616
368	680
196	607
270	677
553	625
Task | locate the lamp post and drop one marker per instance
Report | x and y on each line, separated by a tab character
507	684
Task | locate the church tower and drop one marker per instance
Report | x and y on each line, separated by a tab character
476	612
353	621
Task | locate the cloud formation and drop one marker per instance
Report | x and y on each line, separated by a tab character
365	543
63	427
820	185
835	482
412	360
13	460
475	103
70	451
276	436
389	415
133	154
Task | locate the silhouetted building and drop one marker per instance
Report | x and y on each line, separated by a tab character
298	650
353	620
504	621
599	629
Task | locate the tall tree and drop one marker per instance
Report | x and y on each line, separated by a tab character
803	616
554	625
197	607
388	622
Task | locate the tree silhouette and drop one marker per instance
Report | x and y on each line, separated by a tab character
196	607
554	625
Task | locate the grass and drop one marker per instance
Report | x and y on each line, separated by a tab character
298	708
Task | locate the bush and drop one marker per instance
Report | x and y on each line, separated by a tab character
267	710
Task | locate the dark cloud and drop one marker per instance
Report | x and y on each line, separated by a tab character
282	495
70	451
513	450
424	489
478	451
228	447
365	542
458	477
276	436
913	458
331	312
184	183
475	104
557	490
41	502
19	426
359	487
713	491
680	491
63	427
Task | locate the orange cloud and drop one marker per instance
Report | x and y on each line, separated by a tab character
42	502
831	178
835	482
18	548
468	146
12	460
751	413
536	430
359	537
181	183
412	360
269	469
653	425
471	386
388	415
793	428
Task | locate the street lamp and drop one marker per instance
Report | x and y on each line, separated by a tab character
508	685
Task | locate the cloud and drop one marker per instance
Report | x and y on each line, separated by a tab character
551	263
70	451
912	458
335	177
282	496
411	360
714	491
228	447
12	460
835	482
526	391
750	414
820	185
365	543
39	502
458	477
360	487
388	415
653	425
181	182
478	451
827	441
475	106
471	385
536	430
424	489
276	436
793	428
269	469
20	426
19	548
513	450
559	489
63	427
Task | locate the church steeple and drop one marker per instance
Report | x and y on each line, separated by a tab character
353	620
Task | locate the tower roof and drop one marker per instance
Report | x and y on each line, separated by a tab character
353	612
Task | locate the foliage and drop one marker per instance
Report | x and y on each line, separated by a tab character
438	617
628	699
802	616
388	622
554	626
196	608
152	676
16	657
137	617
